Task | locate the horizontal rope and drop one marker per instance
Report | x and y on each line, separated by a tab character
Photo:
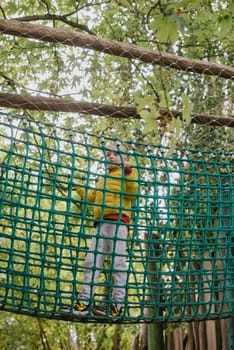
62	105
92	42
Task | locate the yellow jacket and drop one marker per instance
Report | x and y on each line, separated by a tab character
113	194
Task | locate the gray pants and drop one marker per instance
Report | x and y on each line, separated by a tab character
110	239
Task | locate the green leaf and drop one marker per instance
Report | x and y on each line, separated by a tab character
187	109
165	100
144	102
182	3
225	25
166	29
149	118
175	126
181	23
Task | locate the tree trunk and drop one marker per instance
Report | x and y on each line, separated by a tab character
117	338
202	335
223	328
140	341
178	339
170	341
190	338
208	299
44	340
155	336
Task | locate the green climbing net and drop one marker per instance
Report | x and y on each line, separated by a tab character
180	245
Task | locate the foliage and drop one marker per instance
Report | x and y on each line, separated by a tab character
23	332
194	29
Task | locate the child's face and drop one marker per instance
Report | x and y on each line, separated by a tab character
113	156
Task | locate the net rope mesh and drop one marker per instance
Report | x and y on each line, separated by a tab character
180	246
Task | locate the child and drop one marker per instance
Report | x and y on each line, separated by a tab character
113	197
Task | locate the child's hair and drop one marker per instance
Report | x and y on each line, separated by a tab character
118	145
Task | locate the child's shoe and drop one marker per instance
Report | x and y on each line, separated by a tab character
115	310
81	308
65	309
99	311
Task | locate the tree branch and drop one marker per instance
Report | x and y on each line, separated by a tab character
2	11
60	18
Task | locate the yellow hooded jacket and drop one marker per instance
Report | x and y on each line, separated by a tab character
113	194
